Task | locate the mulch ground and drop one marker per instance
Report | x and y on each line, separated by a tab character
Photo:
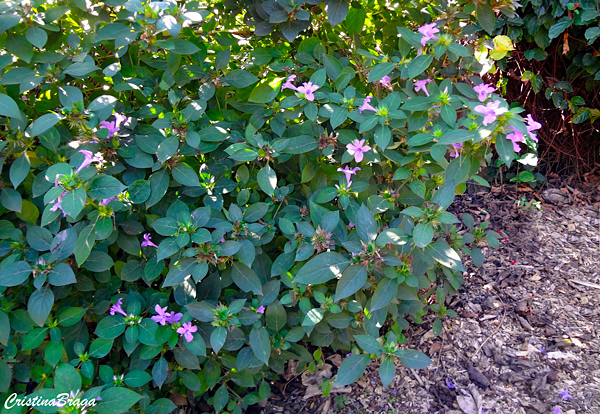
527	326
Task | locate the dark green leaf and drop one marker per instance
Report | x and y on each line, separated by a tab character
352	369
322	268
245	278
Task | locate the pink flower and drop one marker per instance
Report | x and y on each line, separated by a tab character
173	317
357	148
532	125
491	111
366	106
482	91
288	83
515	136
421	85
454	149
107	200
308	89
88	159
111	126
349	172
58	204
187	329
565	394
161	316
261	309
385	82
117	308
147	241
350	224
428	31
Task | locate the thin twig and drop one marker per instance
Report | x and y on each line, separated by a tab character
497	329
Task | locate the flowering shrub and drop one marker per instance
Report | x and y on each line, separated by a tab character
187	206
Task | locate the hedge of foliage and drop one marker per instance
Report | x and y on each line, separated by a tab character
192	197
559	55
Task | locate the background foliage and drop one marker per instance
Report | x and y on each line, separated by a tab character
174	217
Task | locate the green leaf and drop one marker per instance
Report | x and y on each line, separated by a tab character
380	70
217	339
8	107
162	406
336	11
239	78
221	398
53	352
260	344
414	359
353	278
333	67
43	124
322	268
505	150
11	200
276	316
591	34
178	46
196	346
139	191
383	137
384	294
355	20
477	256
418	65
352	369
387	371
159	183
245	278
394	236
100	347
560	26
81	69
4	328
422	234
66	378
166	226
71	316
365	224
8	20
61	275
110	327
34	338
485	16
73	202
98	261
267	180
15	273
105	186
265	91
178	272
185	175
116	400
36	36
160	371
85	244
19	169
445	255
137	378
368	344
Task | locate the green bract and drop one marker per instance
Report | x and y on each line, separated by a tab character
182	215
